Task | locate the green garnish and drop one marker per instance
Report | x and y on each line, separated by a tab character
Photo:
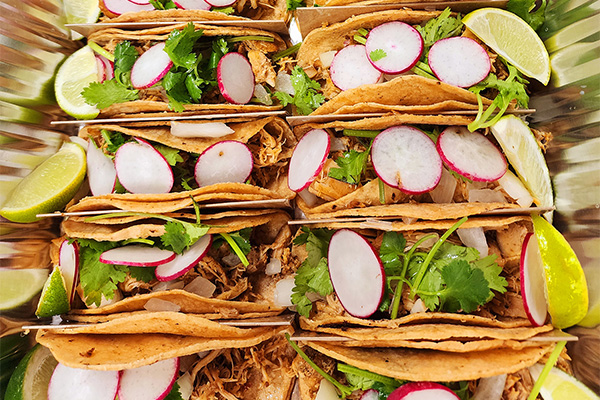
306	98
523	8
235	246
377	55
109	92
546	371
293	4
361	133
163	4
351	166
287	52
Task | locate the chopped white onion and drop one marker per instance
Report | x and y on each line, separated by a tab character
161	305
200	130
474	237
428	243
326	58
273	267
476	185
490	388
326	391
336	144
299	214
485	196
203	354
309	198
170	285
409	220
312	296
283	83
283	292
444	191
262	95
200	286
187	362
231	260
418	307
296	392
515	189
186	386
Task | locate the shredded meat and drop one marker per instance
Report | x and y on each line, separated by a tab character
262	67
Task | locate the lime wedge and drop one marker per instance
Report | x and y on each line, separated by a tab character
18	286
49	187
32	376
76	73
81	12
565	280
513	39
55	298
562	386
525	156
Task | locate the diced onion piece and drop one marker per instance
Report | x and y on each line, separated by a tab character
161	305
200	130
262	95
309	198
485	196
327	391
201	286
283	83
515	189
444	191
283	292
169	285
418	307
337	144
326	58
296	392
186	386
203	354
474	237
231	260
490	388
187	362
409	220
273	267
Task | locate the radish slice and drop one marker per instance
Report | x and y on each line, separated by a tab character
235	78
142	169
423	391
102	175
119	7
82	384
101	69
356	273
192	4
200	130
406	158
68	262
459	61
183	262
109	68
227	161
150	67
533	282
400	45
351	68
153	382
308	159
471	154
220	3
370	394
140	2
137	255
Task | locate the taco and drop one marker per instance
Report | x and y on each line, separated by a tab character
197	68
405	165
355	85
161	168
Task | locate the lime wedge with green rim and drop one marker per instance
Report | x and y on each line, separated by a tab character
74	75
55	298
18	286
81	11
524	154
49	187
32	376
565	280
562	386
513	39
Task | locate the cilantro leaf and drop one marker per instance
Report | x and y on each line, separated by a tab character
392	247
306	98
441	27
113	140
180	235
169	153
293	4
491	272
523	8
163	4
465	287
125	57
351	166
107	93
377	55
180	44
224	10
174	394
144	274
241	239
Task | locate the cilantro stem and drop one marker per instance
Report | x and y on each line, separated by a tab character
287	52
434	249
100	50
417	69
344	390
143	241
547	368
250	37
236	249
381	191
360	39
361	133
363	32
349	369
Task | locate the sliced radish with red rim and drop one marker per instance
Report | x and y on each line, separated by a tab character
82	384
398	45
459	61
193	4
185	261
150	67
153	382
533	281
220	3
142	169
68	262
370	394
423	391
471	154
101	172
227	161
308	158
356	273
140	2
406	158
119	7
109	69
235	78
137	255
351	68
101	69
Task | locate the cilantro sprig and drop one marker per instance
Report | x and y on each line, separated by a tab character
524	9
305	98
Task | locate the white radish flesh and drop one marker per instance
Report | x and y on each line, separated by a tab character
401	43
308	159
227	161
200	130
185	261
406	158
152	382
192	4
119	7
142	169
150	67
533	281
423	391
370	394
485	196
475	238
356	273
140	2
101	69
220	3
109	68
137	255
235	78
471	154
351	68
101	172
82	384
513	186
459	61
68	262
